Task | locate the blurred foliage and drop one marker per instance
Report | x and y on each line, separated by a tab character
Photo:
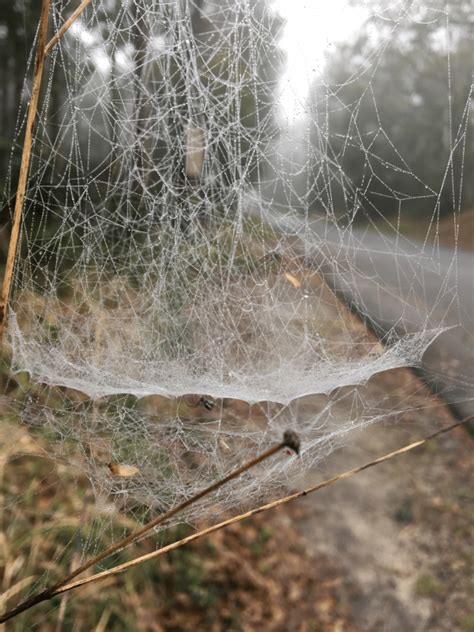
196	42
396	112
18	22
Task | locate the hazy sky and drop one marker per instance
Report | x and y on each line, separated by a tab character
312	28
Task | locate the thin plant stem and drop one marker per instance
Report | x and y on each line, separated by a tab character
205	532
25	163
66	26
43	49
290	440
276	503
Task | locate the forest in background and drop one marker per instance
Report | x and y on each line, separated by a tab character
395	105
218	584
390	117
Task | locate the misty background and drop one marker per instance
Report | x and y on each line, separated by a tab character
377	124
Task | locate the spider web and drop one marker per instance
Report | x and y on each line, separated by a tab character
171	251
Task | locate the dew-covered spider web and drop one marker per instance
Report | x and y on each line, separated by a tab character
190	250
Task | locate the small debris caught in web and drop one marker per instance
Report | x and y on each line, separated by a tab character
195	401
125	471
296	283
292	440
207	402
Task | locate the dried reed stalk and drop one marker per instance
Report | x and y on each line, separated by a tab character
276	503
25	163
290	440
205	532
43	49
66	26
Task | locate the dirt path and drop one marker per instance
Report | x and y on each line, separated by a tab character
401	532
388	550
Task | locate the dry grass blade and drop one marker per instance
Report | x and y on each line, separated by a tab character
43	48
25	164
66	26
281	501
290	440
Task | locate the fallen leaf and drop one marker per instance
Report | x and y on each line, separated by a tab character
293	280
118	469
224	445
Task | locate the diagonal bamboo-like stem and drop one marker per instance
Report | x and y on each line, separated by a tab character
25	163
290	440
276	503
221	525
43	49
66	26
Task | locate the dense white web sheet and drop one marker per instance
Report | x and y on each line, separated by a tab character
170	249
